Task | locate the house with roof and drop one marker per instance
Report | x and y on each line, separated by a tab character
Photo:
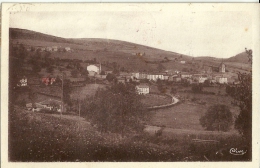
94	69
185	75
221	79
67	49
49	104
200	78
135	75
22	82
166	77
155	76
143	89
48	49
55	48
143	75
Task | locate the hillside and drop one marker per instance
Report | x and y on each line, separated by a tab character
92	44
240	58
131	56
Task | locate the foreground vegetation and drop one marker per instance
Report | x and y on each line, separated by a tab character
43	137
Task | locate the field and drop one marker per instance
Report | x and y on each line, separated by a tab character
155	100
88	90
186	115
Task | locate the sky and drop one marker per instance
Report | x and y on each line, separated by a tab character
205	33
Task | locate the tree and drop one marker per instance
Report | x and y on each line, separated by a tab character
218	117
110	77
102	73
116	109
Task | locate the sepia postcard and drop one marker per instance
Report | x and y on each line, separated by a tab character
130	84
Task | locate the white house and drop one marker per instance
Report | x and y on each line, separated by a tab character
54	48
48	49
22	82
186	75
182	62
202	79
142	89
67	48
221	80
94	69
154	77
135	75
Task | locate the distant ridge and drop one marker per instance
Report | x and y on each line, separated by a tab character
241	58
16	33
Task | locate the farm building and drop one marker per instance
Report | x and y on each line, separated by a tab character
48	80
182	62
67	48
143	89
94	69
50	104
135	75
22	82
48	49
185	75
54	48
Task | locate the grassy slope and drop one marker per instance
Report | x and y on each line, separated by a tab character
45	137
101	49
119	51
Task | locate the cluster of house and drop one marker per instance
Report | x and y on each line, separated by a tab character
50	49
218	77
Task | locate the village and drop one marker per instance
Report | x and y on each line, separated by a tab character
98	74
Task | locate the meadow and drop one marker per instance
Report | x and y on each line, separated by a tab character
150	100
186	115
85	91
